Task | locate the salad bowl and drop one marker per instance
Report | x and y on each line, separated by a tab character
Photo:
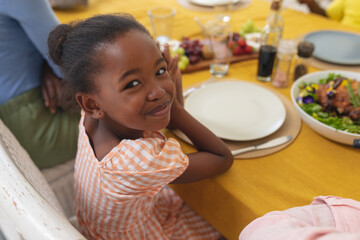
312	119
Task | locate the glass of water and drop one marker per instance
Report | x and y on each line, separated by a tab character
161	19
218	36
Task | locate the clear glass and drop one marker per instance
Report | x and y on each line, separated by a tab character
161	19
223	9
284	58
217	36
281	76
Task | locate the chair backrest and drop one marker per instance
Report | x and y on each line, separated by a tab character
26	197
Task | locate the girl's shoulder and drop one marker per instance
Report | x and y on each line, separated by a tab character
151	152
153	142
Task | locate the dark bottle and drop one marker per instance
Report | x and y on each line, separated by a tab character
270	37
267	55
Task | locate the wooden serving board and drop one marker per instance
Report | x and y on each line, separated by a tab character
205	64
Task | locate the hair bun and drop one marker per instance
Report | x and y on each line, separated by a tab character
56	41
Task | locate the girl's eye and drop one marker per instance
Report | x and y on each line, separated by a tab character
132	84
161	71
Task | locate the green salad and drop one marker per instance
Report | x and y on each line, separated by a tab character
334	101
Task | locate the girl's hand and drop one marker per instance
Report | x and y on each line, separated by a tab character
174	72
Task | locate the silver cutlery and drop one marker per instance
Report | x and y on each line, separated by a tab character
269	144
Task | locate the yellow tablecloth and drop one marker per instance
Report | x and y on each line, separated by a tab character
312	165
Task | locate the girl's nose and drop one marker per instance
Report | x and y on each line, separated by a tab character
156	91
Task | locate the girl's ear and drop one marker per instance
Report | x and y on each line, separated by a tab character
89	105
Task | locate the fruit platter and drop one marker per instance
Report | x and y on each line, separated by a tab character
196	54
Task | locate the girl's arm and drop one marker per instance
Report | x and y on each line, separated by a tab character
213	156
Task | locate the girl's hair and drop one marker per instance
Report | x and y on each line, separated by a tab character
74	48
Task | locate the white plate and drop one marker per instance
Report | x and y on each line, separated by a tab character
211	3
237	110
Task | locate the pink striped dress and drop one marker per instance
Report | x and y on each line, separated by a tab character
125	195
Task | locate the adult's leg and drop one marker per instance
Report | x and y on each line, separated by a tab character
49	139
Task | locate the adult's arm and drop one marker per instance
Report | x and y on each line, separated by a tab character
37	19
314	7
327	218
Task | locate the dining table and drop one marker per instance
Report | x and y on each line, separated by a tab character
310	166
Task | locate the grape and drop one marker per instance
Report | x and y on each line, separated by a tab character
197	51
196	42
180	51
194	59
193	50
182	65
172	53
184	59
249	27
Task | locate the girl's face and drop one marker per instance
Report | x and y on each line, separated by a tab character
134	89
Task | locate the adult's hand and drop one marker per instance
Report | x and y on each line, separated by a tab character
314	7
50	88
306	1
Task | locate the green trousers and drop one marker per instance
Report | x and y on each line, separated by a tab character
49	139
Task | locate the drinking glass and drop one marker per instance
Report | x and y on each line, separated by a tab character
161	19
218	35
266	61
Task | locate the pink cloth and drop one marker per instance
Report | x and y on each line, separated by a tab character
326	218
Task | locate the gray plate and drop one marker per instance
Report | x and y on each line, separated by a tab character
336	47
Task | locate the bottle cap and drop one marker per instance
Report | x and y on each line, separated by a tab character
275	5
305	49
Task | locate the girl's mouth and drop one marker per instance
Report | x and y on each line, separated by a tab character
160	110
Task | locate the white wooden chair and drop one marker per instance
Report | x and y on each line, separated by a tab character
26	197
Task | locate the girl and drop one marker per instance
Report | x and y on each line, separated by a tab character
125	88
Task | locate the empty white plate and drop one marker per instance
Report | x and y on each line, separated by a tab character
237	110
